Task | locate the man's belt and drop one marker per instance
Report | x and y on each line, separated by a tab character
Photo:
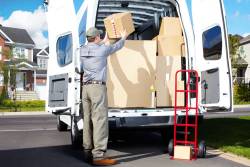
94	82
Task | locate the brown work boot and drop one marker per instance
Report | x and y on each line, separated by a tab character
104	162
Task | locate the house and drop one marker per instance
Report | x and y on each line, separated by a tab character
243	70
18	43
40	57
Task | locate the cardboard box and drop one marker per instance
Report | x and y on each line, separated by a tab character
131	73
115	23
170	26
182	152
166	67
166	94
170	46
180	96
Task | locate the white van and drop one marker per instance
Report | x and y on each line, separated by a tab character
206	46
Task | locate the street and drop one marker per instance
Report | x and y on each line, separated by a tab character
33	141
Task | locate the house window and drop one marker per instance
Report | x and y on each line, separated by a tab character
64	50
212	43
22	52
19	52
42	63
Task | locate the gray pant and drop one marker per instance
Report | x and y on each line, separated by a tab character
95	122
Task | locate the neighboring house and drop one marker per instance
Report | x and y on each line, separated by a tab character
40	57
21	45
243	69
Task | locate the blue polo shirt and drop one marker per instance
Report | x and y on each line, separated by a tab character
93	58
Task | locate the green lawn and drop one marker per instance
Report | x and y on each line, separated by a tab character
228	134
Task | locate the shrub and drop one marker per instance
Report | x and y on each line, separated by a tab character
241	93
23	104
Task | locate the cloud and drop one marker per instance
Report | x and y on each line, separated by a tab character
236	13
1	20
246	34
34	22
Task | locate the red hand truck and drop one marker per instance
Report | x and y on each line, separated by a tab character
191	87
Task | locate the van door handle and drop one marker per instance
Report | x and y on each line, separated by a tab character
212	70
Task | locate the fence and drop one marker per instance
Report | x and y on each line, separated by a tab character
241	80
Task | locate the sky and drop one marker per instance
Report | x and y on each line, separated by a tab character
29	14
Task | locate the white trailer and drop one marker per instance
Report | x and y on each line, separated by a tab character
206	46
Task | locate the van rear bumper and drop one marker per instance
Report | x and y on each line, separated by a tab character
145	121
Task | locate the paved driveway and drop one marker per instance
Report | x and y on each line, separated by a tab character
32	141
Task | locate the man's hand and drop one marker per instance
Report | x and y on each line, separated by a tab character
124	34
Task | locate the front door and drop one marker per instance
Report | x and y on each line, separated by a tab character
20	80
212	54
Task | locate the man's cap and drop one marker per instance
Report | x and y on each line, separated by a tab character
93	32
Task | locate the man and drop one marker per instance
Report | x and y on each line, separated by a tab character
94	94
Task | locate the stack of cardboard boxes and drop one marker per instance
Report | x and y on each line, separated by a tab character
137	77
170	50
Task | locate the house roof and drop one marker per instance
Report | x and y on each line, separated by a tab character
17	35
47	49
40	52
35	52
245	40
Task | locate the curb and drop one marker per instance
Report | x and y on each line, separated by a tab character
242	106
24	113
230	156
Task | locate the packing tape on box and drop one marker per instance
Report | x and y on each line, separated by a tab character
113	26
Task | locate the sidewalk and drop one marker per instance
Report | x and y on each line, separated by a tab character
24	113
242	106
229	156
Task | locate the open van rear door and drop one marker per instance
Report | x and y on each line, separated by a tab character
212	54
63	42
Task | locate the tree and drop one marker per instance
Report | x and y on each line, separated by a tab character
9	73
234	41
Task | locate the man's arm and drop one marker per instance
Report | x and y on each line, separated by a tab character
116	46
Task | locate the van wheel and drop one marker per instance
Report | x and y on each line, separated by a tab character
76	137
171	147
166	135
202	149
61	126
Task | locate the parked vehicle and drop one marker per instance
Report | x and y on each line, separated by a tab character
206	46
